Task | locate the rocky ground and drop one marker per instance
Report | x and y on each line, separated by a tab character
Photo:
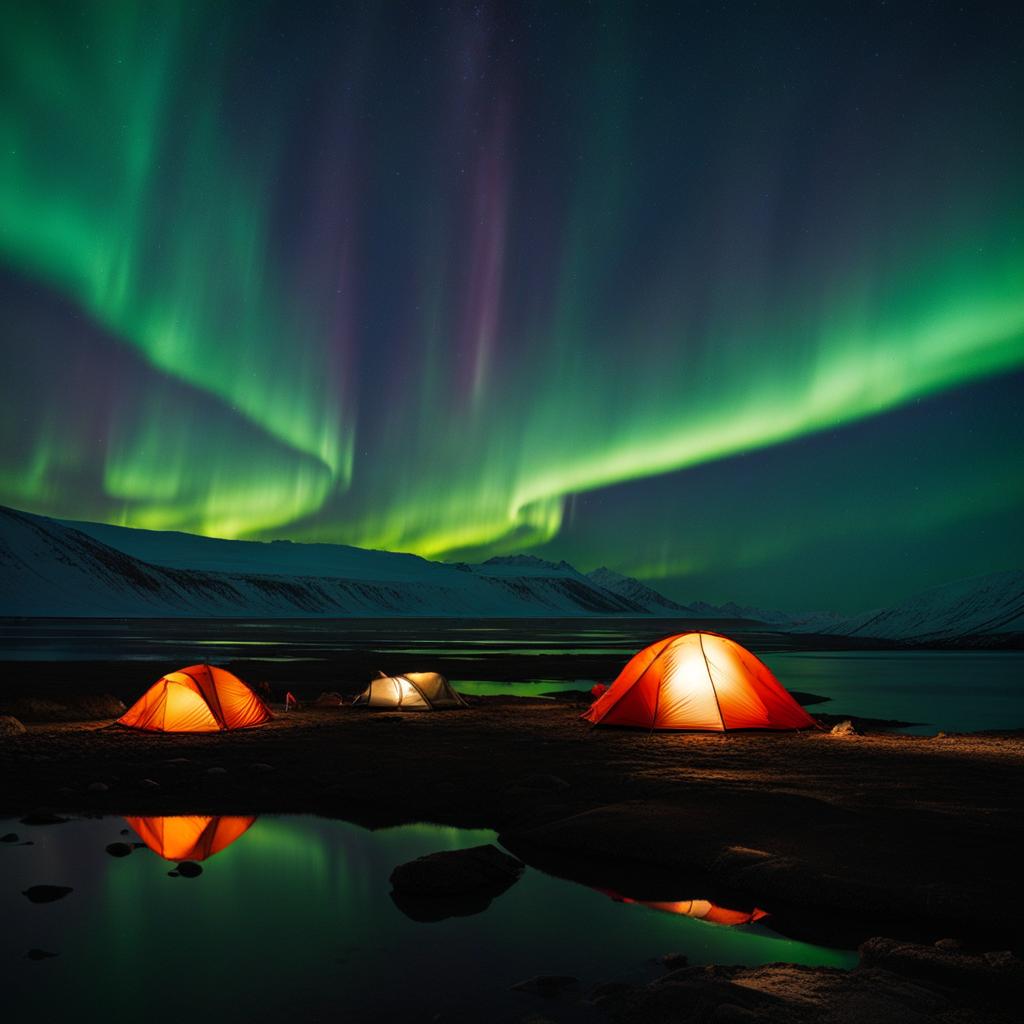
855	835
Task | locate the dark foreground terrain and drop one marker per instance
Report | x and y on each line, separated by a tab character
851	836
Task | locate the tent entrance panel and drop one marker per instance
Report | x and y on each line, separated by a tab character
687	698
186	711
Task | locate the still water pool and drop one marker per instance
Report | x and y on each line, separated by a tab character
293	919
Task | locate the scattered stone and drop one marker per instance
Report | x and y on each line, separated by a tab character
97	787
39	954
119	849
547	985
126	831
673	961
10	837
948	944
43	816
177	761
216	770
261	767
10	726
149	784
190	869
46	893
845	728
173	874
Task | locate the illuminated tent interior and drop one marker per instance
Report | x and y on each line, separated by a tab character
702	910
200	698
190	837
414	691
697	681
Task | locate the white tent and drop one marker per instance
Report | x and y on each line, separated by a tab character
414	691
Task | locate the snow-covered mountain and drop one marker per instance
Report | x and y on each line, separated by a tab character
634	590
982	608
53	568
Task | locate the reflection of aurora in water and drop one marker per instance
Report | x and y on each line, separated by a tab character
290	291
297	913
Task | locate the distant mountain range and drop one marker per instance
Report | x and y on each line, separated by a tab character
50	567
986	610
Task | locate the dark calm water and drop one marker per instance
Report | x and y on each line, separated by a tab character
939	690
294	921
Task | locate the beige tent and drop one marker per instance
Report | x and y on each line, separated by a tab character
414	691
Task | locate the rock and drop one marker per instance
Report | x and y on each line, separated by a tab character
39	954
454	883
97	787
611	992
328	699
547	985
10	837
70	708
46	893
548	783
177	761
846	728
10	726
190	869
119	849
126	831
951	967
216	770
673	961
261	767
948	944
149	784
43	816
730	1013
173	874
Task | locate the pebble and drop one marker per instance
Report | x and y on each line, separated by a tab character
216	771
261	767
149	784
189	869
46	893
10	837
119	849
97	787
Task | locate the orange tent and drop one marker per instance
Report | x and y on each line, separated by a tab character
200	698
702	910
190	837
697	681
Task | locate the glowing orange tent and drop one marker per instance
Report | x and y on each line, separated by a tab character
200	698
697	681
190	837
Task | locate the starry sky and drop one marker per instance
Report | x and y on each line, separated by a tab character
729	297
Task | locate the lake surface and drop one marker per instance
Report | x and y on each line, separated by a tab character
952	691
293	920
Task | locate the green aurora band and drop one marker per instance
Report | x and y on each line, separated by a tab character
224	234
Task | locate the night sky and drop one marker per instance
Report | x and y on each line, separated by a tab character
729	297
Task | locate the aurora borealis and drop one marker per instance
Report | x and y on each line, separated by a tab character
732	301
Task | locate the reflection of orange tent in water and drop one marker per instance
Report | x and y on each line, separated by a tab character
190	837
702	910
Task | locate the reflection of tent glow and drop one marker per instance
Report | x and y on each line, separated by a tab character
190	837
697	681
702	910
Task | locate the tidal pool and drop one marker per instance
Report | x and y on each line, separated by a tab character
292	919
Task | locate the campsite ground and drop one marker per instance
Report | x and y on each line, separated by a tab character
874	834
